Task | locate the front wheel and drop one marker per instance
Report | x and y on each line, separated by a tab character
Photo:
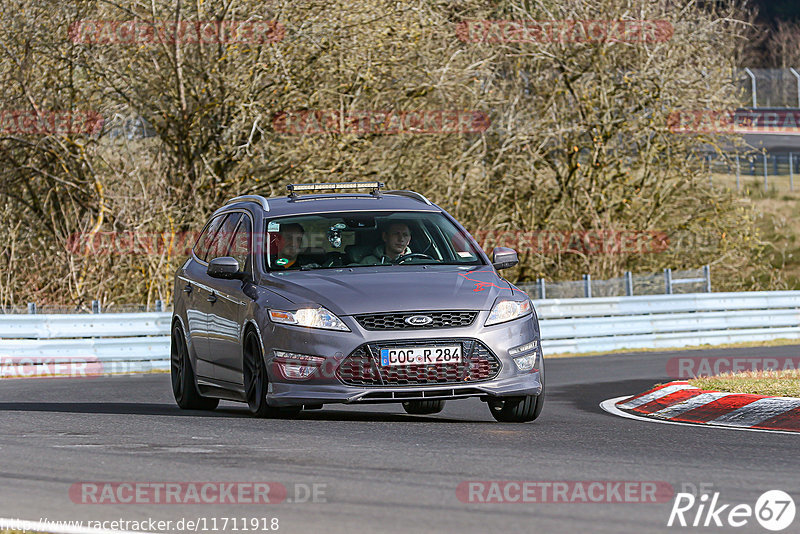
184	388
256	380
515	410
423	407
519	410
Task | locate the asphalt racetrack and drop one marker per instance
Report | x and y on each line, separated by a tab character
376	468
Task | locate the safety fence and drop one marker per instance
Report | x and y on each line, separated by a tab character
35	345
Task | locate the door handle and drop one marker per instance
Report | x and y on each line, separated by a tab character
212	298
187	288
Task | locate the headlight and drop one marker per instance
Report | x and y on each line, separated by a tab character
311	317
506	310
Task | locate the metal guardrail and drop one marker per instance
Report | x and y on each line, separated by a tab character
140	341
667	321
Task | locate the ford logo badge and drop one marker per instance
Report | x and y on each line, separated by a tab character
418	320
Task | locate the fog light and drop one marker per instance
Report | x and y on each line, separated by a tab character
525	363
527	347
297	366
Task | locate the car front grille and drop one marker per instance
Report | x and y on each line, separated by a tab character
397	321
362	367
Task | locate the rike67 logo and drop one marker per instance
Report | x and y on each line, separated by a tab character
774	510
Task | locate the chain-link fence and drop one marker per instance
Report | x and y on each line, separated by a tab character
765	172
769	88
668	282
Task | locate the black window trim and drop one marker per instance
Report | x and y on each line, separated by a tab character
225	214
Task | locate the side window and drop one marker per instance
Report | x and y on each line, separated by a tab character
240	245
205	239
222	240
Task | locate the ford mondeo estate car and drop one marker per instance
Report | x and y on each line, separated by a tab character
361	297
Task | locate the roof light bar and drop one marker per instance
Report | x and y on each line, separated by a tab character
295	188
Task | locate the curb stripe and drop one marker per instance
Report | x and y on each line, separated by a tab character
669	400
610	406
680	403
712	410
690	404
653	395
758	411
787	420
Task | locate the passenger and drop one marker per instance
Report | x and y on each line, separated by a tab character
395	244
290	246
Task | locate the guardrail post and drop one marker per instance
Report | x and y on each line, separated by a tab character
707	276
668	281
159	306
96	306
540	284
32	308
587	286
764	155
628	284
791	171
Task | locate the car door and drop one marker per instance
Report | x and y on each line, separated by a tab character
193	282
222	325
230	307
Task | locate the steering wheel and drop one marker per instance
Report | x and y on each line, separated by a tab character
404	257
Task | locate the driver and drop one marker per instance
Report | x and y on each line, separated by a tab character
291	245
395	244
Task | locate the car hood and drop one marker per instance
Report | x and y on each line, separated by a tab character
395	288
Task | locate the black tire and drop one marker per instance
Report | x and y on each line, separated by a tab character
423	407
184	387
519	410
256	381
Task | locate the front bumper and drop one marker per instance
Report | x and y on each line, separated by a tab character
298	393
326	386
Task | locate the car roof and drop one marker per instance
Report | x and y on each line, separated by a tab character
334	202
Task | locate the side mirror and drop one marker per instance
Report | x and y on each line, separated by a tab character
503	258
224	267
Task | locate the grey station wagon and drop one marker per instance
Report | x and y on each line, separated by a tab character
380	296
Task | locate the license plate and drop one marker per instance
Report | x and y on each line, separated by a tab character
420	355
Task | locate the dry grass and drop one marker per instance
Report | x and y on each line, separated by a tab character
774	383
779	219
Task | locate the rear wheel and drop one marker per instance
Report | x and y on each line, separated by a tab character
184	387
521	409
256	380
423	407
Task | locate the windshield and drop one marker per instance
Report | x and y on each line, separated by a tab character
330	240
